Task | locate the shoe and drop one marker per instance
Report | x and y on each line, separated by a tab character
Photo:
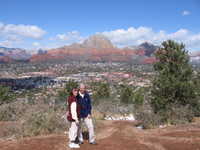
73	145
93	143
77	141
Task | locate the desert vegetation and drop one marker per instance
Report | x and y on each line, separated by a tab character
170	98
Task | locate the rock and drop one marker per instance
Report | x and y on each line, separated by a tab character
97	41
98	115
196	119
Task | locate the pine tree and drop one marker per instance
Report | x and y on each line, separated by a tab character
173	83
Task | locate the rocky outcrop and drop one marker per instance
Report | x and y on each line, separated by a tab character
98	41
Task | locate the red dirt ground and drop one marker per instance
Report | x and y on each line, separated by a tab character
118	135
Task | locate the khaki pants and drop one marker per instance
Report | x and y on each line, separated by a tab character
73	131
88	122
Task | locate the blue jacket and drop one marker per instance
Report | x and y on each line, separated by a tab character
85	105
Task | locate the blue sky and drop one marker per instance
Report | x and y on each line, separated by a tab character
53	23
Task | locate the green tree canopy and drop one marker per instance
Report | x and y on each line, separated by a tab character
100	90
173	82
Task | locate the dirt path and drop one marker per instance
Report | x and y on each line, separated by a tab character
119	135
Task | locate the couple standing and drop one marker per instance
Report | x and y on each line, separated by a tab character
79	112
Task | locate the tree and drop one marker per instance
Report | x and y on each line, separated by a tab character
133	95
126	94
5	95
101	90
173	83
139	95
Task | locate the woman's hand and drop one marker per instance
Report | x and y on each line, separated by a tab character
89	116
77	122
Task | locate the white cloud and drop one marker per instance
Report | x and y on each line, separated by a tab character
135	36
186	13
27	31
11	41
6	43
36	44
69	37
12	34
131	35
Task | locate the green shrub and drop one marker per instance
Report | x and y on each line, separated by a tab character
139	95
7	113
12	111
173	115
6	95
132	95
43	122
148	118
126	94
178	114
100	90
61	97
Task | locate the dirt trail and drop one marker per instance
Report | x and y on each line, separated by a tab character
119	135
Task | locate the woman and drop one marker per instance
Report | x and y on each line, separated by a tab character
73	118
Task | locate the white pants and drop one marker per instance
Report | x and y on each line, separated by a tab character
88	122
73	131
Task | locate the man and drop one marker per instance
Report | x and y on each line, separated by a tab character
85	114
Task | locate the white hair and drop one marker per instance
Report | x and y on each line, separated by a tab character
82	85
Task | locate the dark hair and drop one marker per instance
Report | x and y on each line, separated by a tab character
71	92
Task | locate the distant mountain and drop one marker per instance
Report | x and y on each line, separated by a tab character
146	47
3	49
13	54
97	48
41	51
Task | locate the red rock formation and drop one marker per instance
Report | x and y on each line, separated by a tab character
92	54
96	48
